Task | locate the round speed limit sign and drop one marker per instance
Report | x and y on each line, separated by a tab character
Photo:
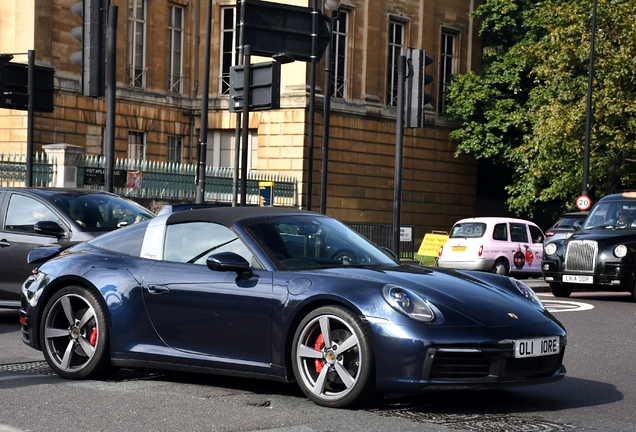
583	203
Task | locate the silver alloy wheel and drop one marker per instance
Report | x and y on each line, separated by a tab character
328	357
71	333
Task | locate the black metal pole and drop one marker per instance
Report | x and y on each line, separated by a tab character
588	115
246	122
325	122
111	99
399	150
237	131
312	103
28	180
203	136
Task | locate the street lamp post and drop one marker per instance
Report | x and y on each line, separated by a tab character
331	6
588	114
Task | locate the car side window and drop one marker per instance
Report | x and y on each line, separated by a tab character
518	232
23	213
537	235
193	242
499	232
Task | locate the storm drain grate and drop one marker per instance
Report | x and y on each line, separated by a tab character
37	368
42	368
474	420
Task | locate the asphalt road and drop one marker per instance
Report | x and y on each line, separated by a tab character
598	393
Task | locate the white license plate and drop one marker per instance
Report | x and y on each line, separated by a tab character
578	279
537	347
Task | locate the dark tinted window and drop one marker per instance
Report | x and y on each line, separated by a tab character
500	232
468	230
518	232
126	241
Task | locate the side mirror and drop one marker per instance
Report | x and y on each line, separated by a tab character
49	228
577	225
229	261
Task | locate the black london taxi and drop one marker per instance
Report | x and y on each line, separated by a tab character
601	256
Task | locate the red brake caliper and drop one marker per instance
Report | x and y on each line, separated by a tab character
93	338
319	345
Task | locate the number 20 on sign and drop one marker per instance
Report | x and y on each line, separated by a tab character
583	202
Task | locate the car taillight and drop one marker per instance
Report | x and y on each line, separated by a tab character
480	251
439	252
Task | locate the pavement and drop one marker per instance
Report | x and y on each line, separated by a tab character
537	284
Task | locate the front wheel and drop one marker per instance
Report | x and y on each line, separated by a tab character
560	290
75	334
332	357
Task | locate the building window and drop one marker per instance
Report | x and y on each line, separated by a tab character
339	55
446	65
396	42
175	49
175	149
136	43
136	145
228	44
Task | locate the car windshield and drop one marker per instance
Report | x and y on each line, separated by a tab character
468	230
612	214
100	212
310	241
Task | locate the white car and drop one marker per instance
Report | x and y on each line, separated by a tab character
494	244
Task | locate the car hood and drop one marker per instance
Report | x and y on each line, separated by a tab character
615	235
484	298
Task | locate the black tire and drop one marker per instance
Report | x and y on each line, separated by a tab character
341	372
74	335
560	290
501	267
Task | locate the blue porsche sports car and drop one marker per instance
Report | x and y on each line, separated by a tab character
287	295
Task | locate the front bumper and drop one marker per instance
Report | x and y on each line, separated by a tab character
407	362
612	277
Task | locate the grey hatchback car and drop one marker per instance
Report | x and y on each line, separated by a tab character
30	217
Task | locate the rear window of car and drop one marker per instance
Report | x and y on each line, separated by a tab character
567	221
468	230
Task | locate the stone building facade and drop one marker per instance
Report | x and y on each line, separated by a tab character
159	75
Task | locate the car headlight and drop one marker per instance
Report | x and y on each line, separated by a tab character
620	251
408	303
527	292
550	248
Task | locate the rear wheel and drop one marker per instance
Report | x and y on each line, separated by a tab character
501	267
560	290
75	334
332	357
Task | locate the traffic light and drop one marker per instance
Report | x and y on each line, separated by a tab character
428	98
92	35
416	81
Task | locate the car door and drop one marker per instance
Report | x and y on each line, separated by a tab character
523	250
18	238
213	313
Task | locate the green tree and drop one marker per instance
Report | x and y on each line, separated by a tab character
527	107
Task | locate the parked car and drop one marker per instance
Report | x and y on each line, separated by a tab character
498	245
30	217
565	225
601	256
220	291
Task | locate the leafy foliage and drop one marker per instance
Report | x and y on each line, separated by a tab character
527	108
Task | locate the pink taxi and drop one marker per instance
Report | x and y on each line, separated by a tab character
498	245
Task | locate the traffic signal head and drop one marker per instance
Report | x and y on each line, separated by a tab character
92	35
428	98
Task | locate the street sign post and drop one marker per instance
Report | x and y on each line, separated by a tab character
264	87
14	86
276	29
